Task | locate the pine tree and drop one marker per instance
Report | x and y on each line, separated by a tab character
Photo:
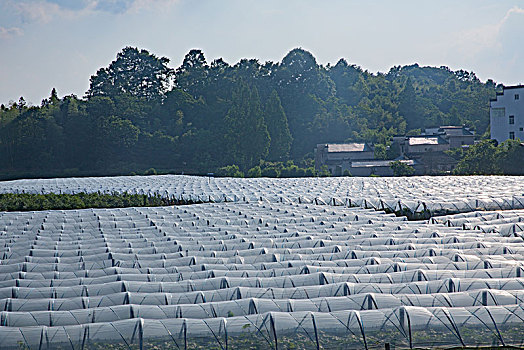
278	129
407	105
247	138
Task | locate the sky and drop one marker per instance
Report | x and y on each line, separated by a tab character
47	44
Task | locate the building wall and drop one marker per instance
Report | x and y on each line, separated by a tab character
337	167
336	156
319	156
434	163
459	141
505	106
382	170
367	171
426	148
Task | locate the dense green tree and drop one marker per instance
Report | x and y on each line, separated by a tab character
487	158
218	88
302	86
254	172
346	77
78	134
300	72
247	137
480	158
510	157
407	105
135	72
99	106
230	171
192	75
53	100
380	151
401	169
118	132
138	110
114	137
278	129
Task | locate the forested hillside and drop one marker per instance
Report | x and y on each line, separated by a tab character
139	114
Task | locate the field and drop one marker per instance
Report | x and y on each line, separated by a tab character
412	196
267	263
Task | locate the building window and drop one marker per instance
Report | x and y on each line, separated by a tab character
512	119
521	129
498	112
517	96
512	135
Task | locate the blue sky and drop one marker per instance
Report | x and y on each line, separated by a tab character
61	43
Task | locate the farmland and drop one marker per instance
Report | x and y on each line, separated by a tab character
267	263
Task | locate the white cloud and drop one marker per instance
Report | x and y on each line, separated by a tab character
152	4
509	43
44	11
124	6
113	6
36	12
514	10
487	36
496	48
6	33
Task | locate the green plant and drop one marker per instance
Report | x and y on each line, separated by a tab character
324	171
230	171
254	172
150	171
401	169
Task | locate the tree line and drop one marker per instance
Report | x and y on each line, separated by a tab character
201	117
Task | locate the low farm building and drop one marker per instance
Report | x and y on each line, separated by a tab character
379	167
422	143
426	153
338	157
438	139
457	136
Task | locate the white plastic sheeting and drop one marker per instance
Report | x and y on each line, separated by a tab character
409	195
273	275
505	223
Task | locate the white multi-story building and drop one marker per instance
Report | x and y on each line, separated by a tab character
506	114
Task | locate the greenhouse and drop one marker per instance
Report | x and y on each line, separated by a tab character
260	274
417	196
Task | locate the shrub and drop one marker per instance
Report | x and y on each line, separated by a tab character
300	172
271	172
289	171
310	171
254	172
230	171
324	171
401	169
150	171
